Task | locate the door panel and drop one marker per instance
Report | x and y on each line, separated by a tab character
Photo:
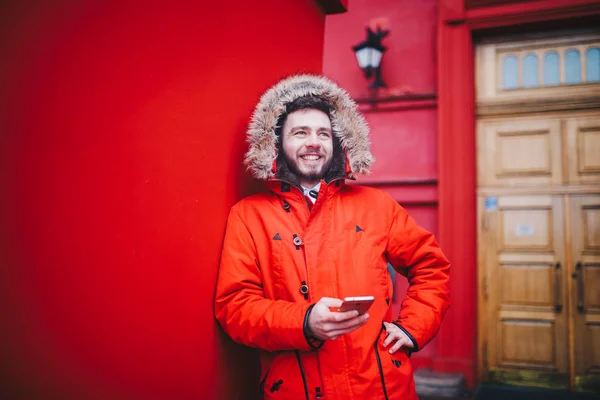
524	152
527	343
583	137
527	228
522	284
527	327
585	214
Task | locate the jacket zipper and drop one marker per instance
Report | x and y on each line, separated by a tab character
302	373
380	370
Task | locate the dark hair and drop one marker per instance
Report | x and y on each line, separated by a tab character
303	103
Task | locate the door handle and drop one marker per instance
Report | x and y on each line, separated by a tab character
557	297
580	287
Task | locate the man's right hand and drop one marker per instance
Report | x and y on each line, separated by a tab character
325	324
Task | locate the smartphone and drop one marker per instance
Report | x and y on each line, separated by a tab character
361	304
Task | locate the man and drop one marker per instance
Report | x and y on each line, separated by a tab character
290	256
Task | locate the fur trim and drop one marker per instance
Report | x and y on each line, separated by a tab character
347	124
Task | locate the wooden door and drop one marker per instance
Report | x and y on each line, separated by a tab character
524	297
585	214
538	186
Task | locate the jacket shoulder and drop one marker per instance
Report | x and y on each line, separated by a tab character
372	201
252	203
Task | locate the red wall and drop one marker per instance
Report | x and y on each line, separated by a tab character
122	133
403	130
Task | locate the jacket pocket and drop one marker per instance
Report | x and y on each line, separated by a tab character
286	378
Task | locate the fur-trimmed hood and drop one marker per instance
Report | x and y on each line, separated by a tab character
347	124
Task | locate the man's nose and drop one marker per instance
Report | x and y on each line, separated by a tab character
313	140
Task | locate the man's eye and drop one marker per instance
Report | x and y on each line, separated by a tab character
324	134
300	133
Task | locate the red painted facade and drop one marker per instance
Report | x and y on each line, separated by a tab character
122	134
425	150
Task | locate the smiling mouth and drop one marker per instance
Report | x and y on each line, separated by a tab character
310	157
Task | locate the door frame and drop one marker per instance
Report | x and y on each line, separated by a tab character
458	348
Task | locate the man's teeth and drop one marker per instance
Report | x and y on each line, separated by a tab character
310	158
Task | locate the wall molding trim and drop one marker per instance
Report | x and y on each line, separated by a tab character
528	12
409	101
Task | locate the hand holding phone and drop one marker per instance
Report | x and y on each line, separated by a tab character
360	304
325	322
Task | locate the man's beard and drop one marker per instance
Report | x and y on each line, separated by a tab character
312	175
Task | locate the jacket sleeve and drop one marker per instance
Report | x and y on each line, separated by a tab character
240	304
415	253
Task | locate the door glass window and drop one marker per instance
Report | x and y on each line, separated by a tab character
572	66
551	69
592	66
530	71
510	73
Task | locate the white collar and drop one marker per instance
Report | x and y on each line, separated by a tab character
314	189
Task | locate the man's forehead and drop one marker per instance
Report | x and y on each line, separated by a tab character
308	117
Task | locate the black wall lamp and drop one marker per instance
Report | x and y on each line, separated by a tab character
369	53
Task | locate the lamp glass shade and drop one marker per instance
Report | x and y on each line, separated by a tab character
363	56
368	57
376	58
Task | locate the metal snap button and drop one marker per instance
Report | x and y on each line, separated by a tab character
304	289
